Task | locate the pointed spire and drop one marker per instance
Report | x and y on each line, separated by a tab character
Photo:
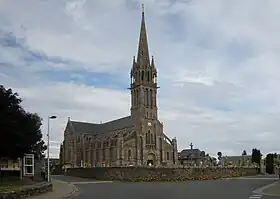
143	50
153	62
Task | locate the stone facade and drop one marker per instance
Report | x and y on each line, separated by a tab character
134	174
135	140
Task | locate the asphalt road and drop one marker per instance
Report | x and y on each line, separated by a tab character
212	189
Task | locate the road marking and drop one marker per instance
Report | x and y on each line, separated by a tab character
255	196
92	182
244	178
261	190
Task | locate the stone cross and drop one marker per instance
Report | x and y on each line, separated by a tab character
191	145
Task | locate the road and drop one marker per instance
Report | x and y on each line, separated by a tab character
241	188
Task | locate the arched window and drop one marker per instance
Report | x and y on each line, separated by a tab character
151	97
134	97
149	137
129	154
148	76
141	148
142	77
154	78
147	96
141	142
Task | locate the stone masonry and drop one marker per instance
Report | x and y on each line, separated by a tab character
135	140
134	174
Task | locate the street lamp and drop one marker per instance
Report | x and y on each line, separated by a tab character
49	118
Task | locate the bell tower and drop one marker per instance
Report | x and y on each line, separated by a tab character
143	76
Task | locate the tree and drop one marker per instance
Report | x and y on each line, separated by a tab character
244	153
256	156
277	162
20	131
269	163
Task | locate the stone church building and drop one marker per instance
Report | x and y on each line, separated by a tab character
135	140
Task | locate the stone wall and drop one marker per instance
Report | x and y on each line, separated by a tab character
135	174
27	191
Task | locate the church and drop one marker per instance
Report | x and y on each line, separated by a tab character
135	140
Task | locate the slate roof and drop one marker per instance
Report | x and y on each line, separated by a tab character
188	152
85	127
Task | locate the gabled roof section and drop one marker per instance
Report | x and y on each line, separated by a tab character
93	128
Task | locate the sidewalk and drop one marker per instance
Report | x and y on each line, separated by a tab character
61	190
273	190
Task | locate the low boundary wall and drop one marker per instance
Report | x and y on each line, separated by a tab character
134	174
26	191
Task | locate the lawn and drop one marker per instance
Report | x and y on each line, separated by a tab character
9	188
14	183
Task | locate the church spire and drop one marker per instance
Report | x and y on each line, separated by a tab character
143	50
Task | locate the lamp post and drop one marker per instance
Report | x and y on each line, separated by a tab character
48	157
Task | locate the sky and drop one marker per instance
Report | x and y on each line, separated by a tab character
217	61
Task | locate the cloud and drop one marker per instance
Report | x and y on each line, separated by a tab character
217	63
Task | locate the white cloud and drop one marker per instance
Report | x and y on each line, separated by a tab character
217	62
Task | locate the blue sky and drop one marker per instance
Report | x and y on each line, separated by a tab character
218	65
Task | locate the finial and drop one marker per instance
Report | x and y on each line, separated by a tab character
142	8
133	58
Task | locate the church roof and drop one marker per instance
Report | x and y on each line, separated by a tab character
93	128
188	152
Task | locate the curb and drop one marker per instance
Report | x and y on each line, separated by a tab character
261	190
75	191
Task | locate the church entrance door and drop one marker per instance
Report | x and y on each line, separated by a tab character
151	160
150	163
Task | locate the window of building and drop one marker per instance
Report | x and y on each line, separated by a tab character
149	137
129	154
